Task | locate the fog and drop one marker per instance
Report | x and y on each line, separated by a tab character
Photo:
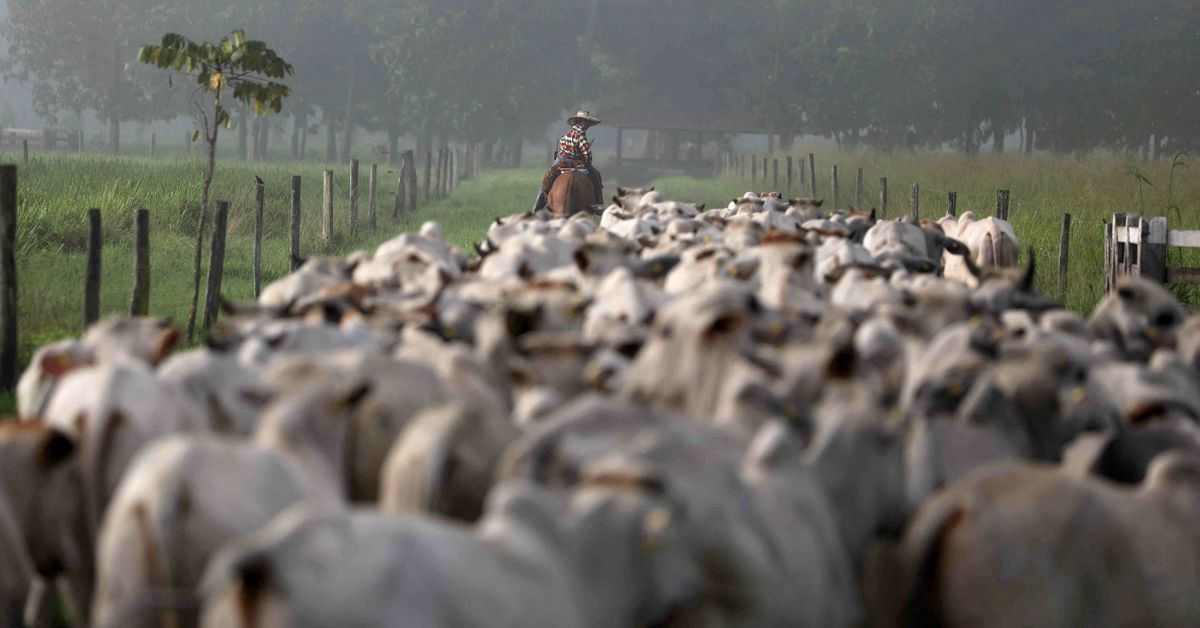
965	75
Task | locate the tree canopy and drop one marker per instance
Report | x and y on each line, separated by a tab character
1067	76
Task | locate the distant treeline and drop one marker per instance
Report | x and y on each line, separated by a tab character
1067	75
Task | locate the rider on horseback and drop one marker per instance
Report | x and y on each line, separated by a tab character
574	151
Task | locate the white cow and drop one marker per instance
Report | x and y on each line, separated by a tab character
993	244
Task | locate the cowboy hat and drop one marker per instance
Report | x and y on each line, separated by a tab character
583	116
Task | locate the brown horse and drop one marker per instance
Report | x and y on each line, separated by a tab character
571	193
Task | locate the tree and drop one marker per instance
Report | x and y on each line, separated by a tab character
236	66
75	56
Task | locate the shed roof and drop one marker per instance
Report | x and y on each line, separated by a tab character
670	118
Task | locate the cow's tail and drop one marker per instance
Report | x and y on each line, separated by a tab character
921	557
987	252
154	561
1007	253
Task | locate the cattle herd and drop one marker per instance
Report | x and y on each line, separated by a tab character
765	414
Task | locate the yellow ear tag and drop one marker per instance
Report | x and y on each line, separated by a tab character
449	331
655	522
975	322
1078	394
956	388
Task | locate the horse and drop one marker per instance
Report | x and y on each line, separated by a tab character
571	193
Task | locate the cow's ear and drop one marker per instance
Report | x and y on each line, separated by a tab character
1030	271
617	202
256	397
165	343
353	396
58	363
701	207
842	363
955	247
583	261
650	190
55	449
620	191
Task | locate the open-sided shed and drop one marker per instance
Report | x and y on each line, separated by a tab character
676	138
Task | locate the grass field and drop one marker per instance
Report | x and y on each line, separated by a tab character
56	190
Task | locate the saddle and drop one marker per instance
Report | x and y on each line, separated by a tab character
580	170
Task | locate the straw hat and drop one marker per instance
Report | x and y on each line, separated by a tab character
582	116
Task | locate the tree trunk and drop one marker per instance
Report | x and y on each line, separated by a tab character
585	49
202	227
786	141
264	141
295	137
393	144
330	138
254	143
424	145
489	150
348	121
303	136
997	138
518	148
1158	146
114	117
114	135
243	130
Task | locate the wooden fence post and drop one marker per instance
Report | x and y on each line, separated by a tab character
741	166
1002	204
1153	249
774	174
452	168
812	175
153	144
353	196
952	203
25	152
428	175
1064	255
91	285
373	182
1108	256
836	190
259	193
140	304
294	253
411	183
789	175
401	185
327	209
216	266
858	190
915	212
8	277
883	197
754	171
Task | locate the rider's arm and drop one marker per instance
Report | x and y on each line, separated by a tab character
585	149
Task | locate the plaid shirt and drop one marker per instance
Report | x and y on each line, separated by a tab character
575	145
